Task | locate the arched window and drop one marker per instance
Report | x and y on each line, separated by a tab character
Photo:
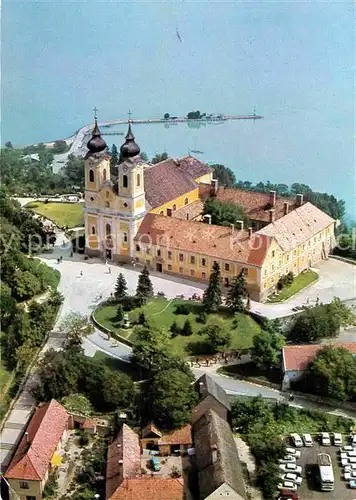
93	230
125	237
174	207
138	180
104	174
107	229
91	175
125	181
186	201
107	204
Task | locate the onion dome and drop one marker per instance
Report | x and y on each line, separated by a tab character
96	144
129	148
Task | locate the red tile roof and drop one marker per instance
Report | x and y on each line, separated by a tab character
297	357
204	239
179	436
34	453
124	459
149	488
256	205
171	178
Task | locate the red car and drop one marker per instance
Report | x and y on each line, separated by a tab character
288	495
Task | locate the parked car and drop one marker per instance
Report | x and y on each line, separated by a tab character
353	439
291	468
347	448
288	485
343	455
287	459
349	467
292	476
307	439
156	466
349	475
337	439
347	461
288	495
325	439
292	451
296	440
352	484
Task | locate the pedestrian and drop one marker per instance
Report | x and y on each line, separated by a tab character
81	273
71	254
109	270
61	258
106	262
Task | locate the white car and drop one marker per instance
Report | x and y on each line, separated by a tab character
347	448
351	453
337	439
291	468
292	451
325	439
353	439
287	459
347	475
347	461
307	439
343	455
296	440
291	476
287	485
349	467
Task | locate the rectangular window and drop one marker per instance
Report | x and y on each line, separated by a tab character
181	270
24	485
158	253
288	257
227	267
192	272
138	248
192	259
169	255
203	262
203	275
265	272
273	253
169	267
181	257
226	282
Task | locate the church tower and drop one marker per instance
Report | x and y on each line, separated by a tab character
131	193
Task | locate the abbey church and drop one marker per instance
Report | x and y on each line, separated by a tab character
152	214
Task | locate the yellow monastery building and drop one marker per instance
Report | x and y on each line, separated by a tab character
152	215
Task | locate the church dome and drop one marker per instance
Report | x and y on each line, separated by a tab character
129	148
96	144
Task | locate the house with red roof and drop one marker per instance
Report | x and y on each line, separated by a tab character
38	451
296	358
167	443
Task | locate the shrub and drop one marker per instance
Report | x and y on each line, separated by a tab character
119	313
182	309
175	329
187	329
202	317
83	439
142	319
130	302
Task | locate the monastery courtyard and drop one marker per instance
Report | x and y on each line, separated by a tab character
83	293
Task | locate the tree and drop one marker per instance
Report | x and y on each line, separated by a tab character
119	313
144	156
25	285
224	214
173	398
120	287
150	347
114	155
8	144
144	288
142	318
166	116
187	329
118	391
212	294
217	337
224	175
159	157
76	326
266	349
237	293
60	147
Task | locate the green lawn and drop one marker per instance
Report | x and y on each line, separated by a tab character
62	214
299	282
161	313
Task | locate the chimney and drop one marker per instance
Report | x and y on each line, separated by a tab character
214	187
272	214
207	218
250	232
241	222
286	207
272	198
299	200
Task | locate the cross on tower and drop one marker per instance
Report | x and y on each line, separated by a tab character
95	110
129	113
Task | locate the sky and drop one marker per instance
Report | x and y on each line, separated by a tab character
293	60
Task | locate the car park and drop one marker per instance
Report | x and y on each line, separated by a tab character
337	439
292	451
290	468
296	440
287	459
307	440
325	439
287	485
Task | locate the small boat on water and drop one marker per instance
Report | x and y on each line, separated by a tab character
197	151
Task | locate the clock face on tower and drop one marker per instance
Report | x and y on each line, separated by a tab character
124	169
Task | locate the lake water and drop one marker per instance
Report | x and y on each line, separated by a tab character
255	151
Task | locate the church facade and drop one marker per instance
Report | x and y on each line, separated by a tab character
152	215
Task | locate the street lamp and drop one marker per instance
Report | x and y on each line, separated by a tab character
96	495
